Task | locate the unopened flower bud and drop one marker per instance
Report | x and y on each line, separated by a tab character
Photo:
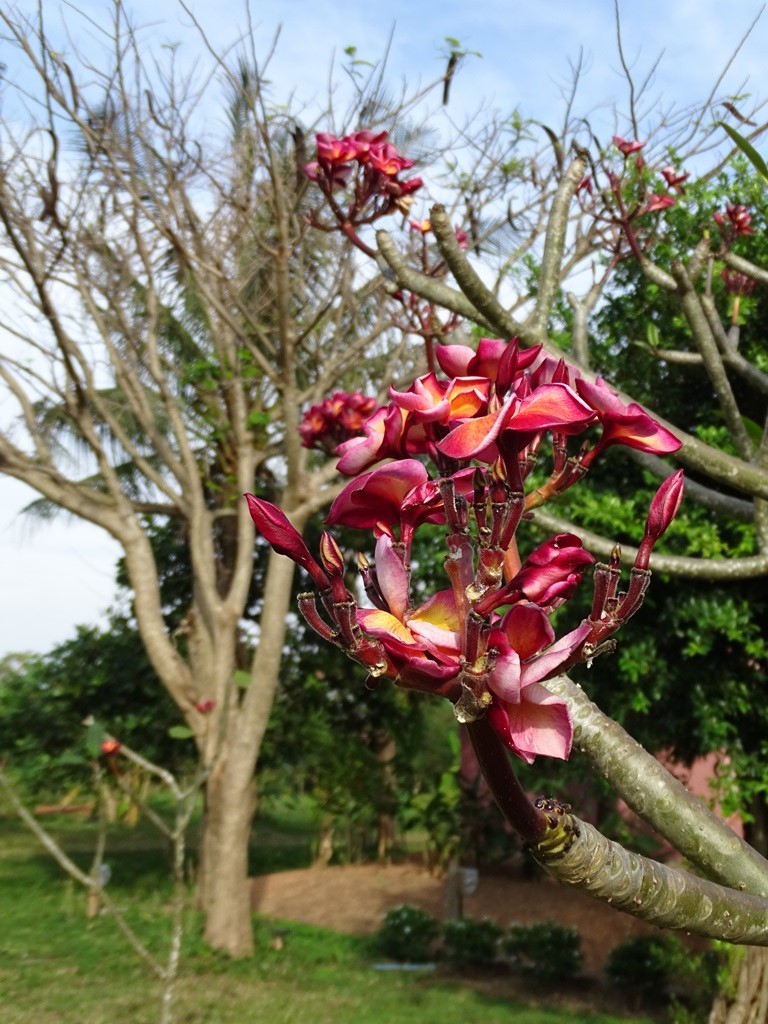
330	555
663	510
282	535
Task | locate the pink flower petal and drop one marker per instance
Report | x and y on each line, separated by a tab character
392	577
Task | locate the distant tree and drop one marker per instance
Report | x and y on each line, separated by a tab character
100	674
170	315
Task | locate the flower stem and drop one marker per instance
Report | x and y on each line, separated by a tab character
528	821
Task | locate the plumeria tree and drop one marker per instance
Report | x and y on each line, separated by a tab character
480	444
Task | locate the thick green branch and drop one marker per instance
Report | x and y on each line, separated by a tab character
659	798
654	892
554	246
482	299
427	287
745	267
713	361
576	854
681	566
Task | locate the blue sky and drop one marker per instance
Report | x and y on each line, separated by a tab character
58	575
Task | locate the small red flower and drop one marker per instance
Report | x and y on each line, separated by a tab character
627	146
205	707
337	419
110	747
656	203
674	179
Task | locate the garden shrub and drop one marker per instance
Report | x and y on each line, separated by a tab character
408	933
547	950
471	943
660	967
645	963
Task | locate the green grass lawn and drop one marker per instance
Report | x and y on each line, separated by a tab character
57	967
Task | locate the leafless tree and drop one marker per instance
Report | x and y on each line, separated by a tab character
169	314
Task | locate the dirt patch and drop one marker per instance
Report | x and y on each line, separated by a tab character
355	898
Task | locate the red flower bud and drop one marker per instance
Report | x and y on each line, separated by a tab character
663	510
330	555
110	747
278	531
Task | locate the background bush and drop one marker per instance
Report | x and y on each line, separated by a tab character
548	950
408	933
471	943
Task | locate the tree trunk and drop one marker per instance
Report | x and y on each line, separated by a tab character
385	825
744	998
224	888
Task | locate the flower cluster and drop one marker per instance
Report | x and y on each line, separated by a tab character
367	167
737	283
334	420
632	193
735	222
486	641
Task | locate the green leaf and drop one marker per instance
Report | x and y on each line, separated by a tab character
754	430
242	679
180	732
747	149
95	734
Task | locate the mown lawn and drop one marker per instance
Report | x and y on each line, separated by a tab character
58	967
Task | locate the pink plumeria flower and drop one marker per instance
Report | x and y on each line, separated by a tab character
383	438
399	494
736	221
549	407
377	497
429	400
424	641
548	576
529	719
629	425
463	361
337	419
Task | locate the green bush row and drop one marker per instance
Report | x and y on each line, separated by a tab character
649	966
546	950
